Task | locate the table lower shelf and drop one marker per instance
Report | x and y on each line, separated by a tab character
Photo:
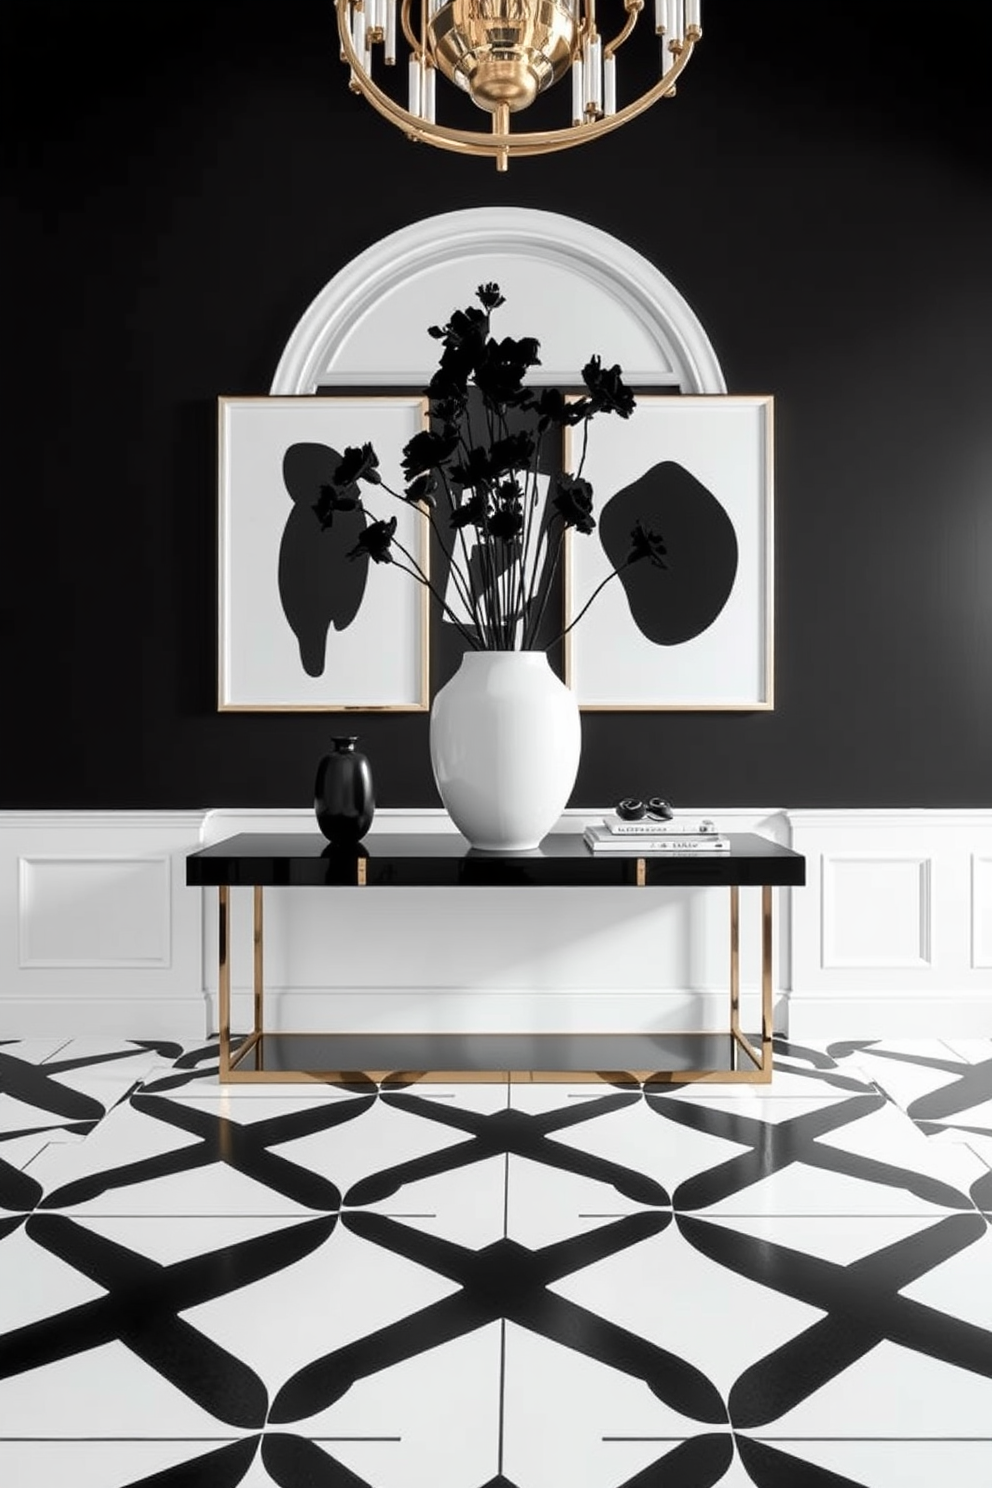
357	1059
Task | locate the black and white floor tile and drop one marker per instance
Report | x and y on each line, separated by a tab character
482	1286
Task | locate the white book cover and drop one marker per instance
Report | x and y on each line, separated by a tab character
690	826
601	839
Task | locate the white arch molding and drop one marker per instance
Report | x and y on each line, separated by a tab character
579	290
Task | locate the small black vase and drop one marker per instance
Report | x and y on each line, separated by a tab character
342	795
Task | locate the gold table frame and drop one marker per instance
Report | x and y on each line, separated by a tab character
755	1068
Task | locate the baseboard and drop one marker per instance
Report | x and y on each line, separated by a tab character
113	1017
875	1015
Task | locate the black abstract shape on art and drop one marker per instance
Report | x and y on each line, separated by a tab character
319	586
672	607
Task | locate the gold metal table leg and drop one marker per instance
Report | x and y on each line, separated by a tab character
760	1058
257	968
766	980
224	979
735	960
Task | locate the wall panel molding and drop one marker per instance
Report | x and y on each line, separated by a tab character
876	911
890	937
108	912
98	932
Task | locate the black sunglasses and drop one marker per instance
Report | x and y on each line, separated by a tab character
631	809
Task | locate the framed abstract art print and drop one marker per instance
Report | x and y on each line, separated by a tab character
307	620
693	630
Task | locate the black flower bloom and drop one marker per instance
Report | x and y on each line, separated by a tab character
472	510
332	500
428	450
465	328
358	464
448	408
422	488
489	296
507	521
475	470
644	543
511	453
375	542
573	502
610	393
500	372
552	408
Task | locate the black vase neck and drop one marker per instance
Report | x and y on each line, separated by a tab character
345	743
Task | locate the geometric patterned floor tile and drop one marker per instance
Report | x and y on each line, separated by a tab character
156	1154
935	1083
78	1081
492	1286
812	1464
860	1155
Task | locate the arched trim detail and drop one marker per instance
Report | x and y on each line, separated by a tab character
317	350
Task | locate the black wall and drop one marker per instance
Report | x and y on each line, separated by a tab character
180	181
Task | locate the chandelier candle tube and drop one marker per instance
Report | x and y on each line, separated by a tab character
661	16
429	100
675	32
358	31
371	16
593	67
693	18
389	43
609	84
414	69
578	91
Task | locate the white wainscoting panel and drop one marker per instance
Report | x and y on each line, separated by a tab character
981	911
892	935
98	932
876	911
108	912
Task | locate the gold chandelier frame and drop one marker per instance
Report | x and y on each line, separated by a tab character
500	144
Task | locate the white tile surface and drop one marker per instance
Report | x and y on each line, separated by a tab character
434	1288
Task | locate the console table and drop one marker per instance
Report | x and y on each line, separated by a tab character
445	860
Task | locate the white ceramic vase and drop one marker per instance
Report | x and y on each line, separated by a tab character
505	738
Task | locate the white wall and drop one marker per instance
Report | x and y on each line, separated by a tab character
892	935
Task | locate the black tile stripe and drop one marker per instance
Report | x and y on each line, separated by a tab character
504	1280
510	1132
862	1303
142	1305
242	1147
777	1145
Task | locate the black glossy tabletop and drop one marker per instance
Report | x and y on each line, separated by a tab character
415	859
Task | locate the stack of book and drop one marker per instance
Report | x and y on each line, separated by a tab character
614	834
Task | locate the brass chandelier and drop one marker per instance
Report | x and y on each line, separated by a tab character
503	54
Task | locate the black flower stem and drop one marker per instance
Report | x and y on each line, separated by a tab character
585	444
530	495
489	599
473	601
460	584
416	572
550	569
588	602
